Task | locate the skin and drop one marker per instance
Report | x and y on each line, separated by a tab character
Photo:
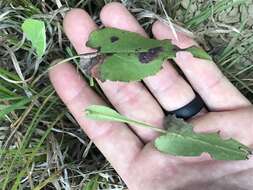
130	151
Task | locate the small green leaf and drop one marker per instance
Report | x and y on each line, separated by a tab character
199	53
104	113
129	56
92	184
36	33
181	140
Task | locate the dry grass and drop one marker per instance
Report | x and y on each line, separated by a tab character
41	144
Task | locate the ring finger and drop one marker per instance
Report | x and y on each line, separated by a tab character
215	89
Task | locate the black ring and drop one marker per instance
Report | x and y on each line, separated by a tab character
189	110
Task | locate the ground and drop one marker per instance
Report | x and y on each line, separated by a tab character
41	144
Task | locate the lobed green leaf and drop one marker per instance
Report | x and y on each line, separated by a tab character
181	140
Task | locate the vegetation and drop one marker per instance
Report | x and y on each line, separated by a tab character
41	145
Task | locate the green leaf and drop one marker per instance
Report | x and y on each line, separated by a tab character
19	105
181	140
199	53
92	184
51	179
104	113
112	40
127	68
36	33
129	56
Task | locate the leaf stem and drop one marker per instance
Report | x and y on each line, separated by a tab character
85	56
142	124
114	116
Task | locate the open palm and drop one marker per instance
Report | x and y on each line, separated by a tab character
129	149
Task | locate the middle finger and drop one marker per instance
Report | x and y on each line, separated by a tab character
169	88
130	99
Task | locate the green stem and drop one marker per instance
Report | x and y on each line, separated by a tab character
141	124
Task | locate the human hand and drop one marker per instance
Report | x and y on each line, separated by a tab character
133	156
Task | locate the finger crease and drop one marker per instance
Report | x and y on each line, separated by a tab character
165	88
129	98
215	83
73	98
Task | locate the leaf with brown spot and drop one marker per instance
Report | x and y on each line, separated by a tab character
130	56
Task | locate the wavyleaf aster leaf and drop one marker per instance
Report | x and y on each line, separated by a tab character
181	140
130	56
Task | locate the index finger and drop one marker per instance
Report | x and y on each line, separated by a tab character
111	138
